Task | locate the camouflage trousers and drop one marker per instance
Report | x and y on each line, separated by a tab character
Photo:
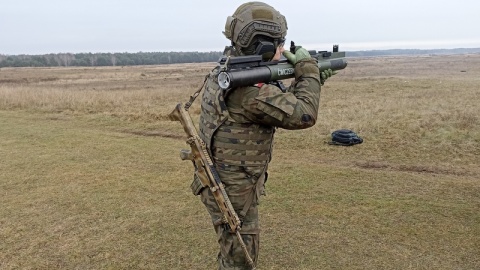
239	184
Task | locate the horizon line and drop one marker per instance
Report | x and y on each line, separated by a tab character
208	51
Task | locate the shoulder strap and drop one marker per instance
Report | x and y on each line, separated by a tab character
195	95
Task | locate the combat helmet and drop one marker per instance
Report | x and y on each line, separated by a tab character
255	24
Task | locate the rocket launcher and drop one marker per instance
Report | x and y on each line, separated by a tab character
248	70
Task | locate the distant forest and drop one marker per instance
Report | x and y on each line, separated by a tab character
159	58
106	59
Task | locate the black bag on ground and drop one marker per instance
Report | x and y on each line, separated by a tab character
345	137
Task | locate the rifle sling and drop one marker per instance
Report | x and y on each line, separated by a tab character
195	95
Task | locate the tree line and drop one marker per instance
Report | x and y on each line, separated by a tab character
107	59
159	58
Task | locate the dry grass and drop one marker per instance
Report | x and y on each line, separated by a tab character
90	176
129	91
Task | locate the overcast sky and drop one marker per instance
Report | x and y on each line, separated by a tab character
58	26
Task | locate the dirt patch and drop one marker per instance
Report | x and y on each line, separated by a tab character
378	165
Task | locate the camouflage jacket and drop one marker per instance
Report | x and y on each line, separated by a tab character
239	131
267	105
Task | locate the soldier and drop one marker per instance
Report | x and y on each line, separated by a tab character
238	128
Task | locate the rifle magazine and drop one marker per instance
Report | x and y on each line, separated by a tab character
196	186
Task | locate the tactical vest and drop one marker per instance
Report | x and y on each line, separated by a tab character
231	143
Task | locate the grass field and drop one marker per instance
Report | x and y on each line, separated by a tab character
90	174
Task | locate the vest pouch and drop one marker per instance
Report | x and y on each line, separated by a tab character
196	186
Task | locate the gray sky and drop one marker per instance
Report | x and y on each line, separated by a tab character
58	26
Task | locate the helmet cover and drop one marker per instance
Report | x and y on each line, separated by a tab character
254	19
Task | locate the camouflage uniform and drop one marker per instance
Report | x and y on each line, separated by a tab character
238	128
238	131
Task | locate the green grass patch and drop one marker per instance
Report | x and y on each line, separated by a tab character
90	174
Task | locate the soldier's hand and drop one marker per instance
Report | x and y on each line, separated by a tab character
300	54
324	75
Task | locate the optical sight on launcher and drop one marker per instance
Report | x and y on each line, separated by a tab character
249	70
